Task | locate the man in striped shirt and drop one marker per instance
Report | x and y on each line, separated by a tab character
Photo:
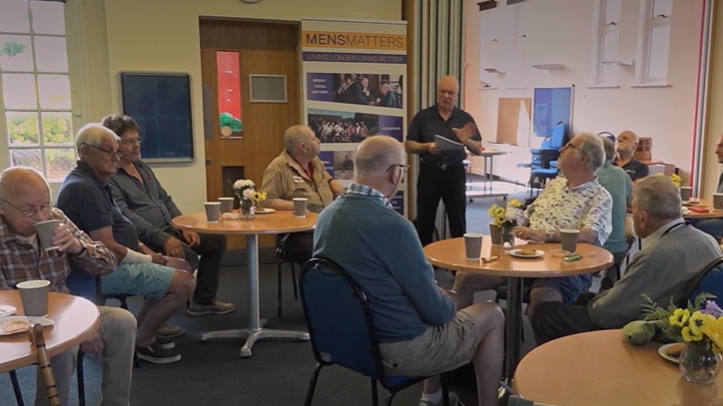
24	201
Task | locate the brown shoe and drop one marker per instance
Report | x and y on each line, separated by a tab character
217	307
168	330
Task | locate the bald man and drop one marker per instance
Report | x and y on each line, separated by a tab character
298	172
420	329
24	201
441	173
627	144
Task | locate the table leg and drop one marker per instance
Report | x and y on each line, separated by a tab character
255	330
513	336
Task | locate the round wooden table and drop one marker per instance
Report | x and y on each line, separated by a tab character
279	222
600	368
75	319
712	213
450	254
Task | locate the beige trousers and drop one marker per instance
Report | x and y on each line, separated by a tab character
118	328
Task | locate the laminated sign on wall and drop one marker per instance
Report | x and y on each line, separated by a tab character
354	88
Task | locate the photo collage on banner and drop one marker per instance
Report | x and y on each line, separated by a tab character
354	74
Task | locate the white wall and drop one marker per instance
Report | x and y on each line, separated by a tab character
560	31
163	35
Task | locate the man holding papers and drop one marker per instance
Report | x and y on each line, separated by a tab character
439	134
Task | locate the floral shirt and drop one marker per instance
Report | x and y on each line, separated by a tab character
586	206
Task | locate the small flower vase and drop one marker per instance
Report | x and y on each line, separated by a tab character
247	210
698	364
496	234
508	236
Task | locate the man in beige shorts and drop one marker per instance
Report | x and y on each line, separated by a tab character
420	330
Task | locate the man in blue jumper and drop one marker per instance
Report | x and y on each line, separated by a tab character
421	331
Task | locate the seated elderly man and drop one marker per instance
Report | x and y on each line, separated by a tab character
298	172
620	187
24	201
86	199
142	199
574	201
421	330
673	253
627	144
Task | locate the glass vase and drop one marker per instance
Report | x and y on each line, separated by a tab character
508	237
247	210
698	364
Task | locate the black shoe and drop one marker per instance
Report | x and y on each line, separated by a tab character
166	342
606	284
156	354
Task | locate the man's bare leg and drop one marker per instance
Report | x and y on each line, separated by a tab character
467	284
179	291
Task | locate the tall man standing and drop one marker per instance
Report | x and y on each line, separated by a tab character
441	173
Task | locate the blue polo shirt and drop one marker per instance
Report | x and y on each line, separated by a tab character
87	200
428	123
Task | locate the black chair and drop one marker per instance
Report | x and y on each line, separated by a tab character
283	259
342	329
709	280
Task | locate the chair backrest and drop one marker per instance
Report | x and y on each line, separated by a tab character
559	135
709	280
83	284
339	320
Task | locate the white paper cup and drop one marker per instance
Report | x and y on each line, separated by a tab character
226	204
34	297
718	201
473	245
45	231
213	210
300	204
568	238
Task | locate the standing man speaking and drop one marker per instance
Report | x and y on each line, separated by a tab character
441	173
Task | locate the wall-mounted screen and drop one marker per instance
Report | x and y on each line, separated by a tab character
551	105
161	104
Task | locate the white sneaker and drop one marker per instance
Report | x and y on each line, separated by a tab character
453	401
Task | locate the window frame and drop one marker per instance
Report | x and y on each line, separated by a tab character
600	29
75	53
647	23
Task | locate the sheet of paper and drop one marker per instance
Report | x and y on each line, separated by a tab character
445	144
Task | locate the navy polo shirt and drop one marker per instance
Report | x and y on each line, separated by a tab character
636	169
87	200
428	123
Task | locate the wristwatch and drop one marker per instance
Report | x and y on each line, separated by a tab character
550	235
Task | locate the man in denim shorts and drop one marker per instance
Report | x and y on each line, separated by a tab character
85	197
420	329
574	201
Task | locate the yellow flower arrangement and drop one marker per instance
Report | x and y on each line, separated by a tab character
507	213
677	180
698	325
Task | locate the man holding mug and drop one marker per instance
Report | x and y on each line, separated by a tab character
25	201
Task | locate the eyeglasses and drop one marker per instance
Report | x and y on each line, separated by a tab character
109	153
570	145
132	141
404	167
31	211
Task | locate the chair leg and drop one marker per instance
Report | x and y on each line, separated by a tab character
390	397
293	278
16	388
278	289
375	394
81	379
312	385
445	388
124	303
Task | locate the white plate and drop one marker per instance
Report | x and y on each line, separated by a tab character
7	310
516	253
45	322
267	210
662	353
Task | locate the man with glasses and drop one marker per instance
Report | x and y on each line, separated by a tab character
420	328
441	173
298	172
142	199
86	198
25	201
574	201
627	144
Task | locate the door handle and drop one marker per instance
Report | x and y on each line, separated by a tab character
208	161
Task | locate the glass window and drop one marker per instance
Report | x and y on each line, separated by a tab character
228	78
